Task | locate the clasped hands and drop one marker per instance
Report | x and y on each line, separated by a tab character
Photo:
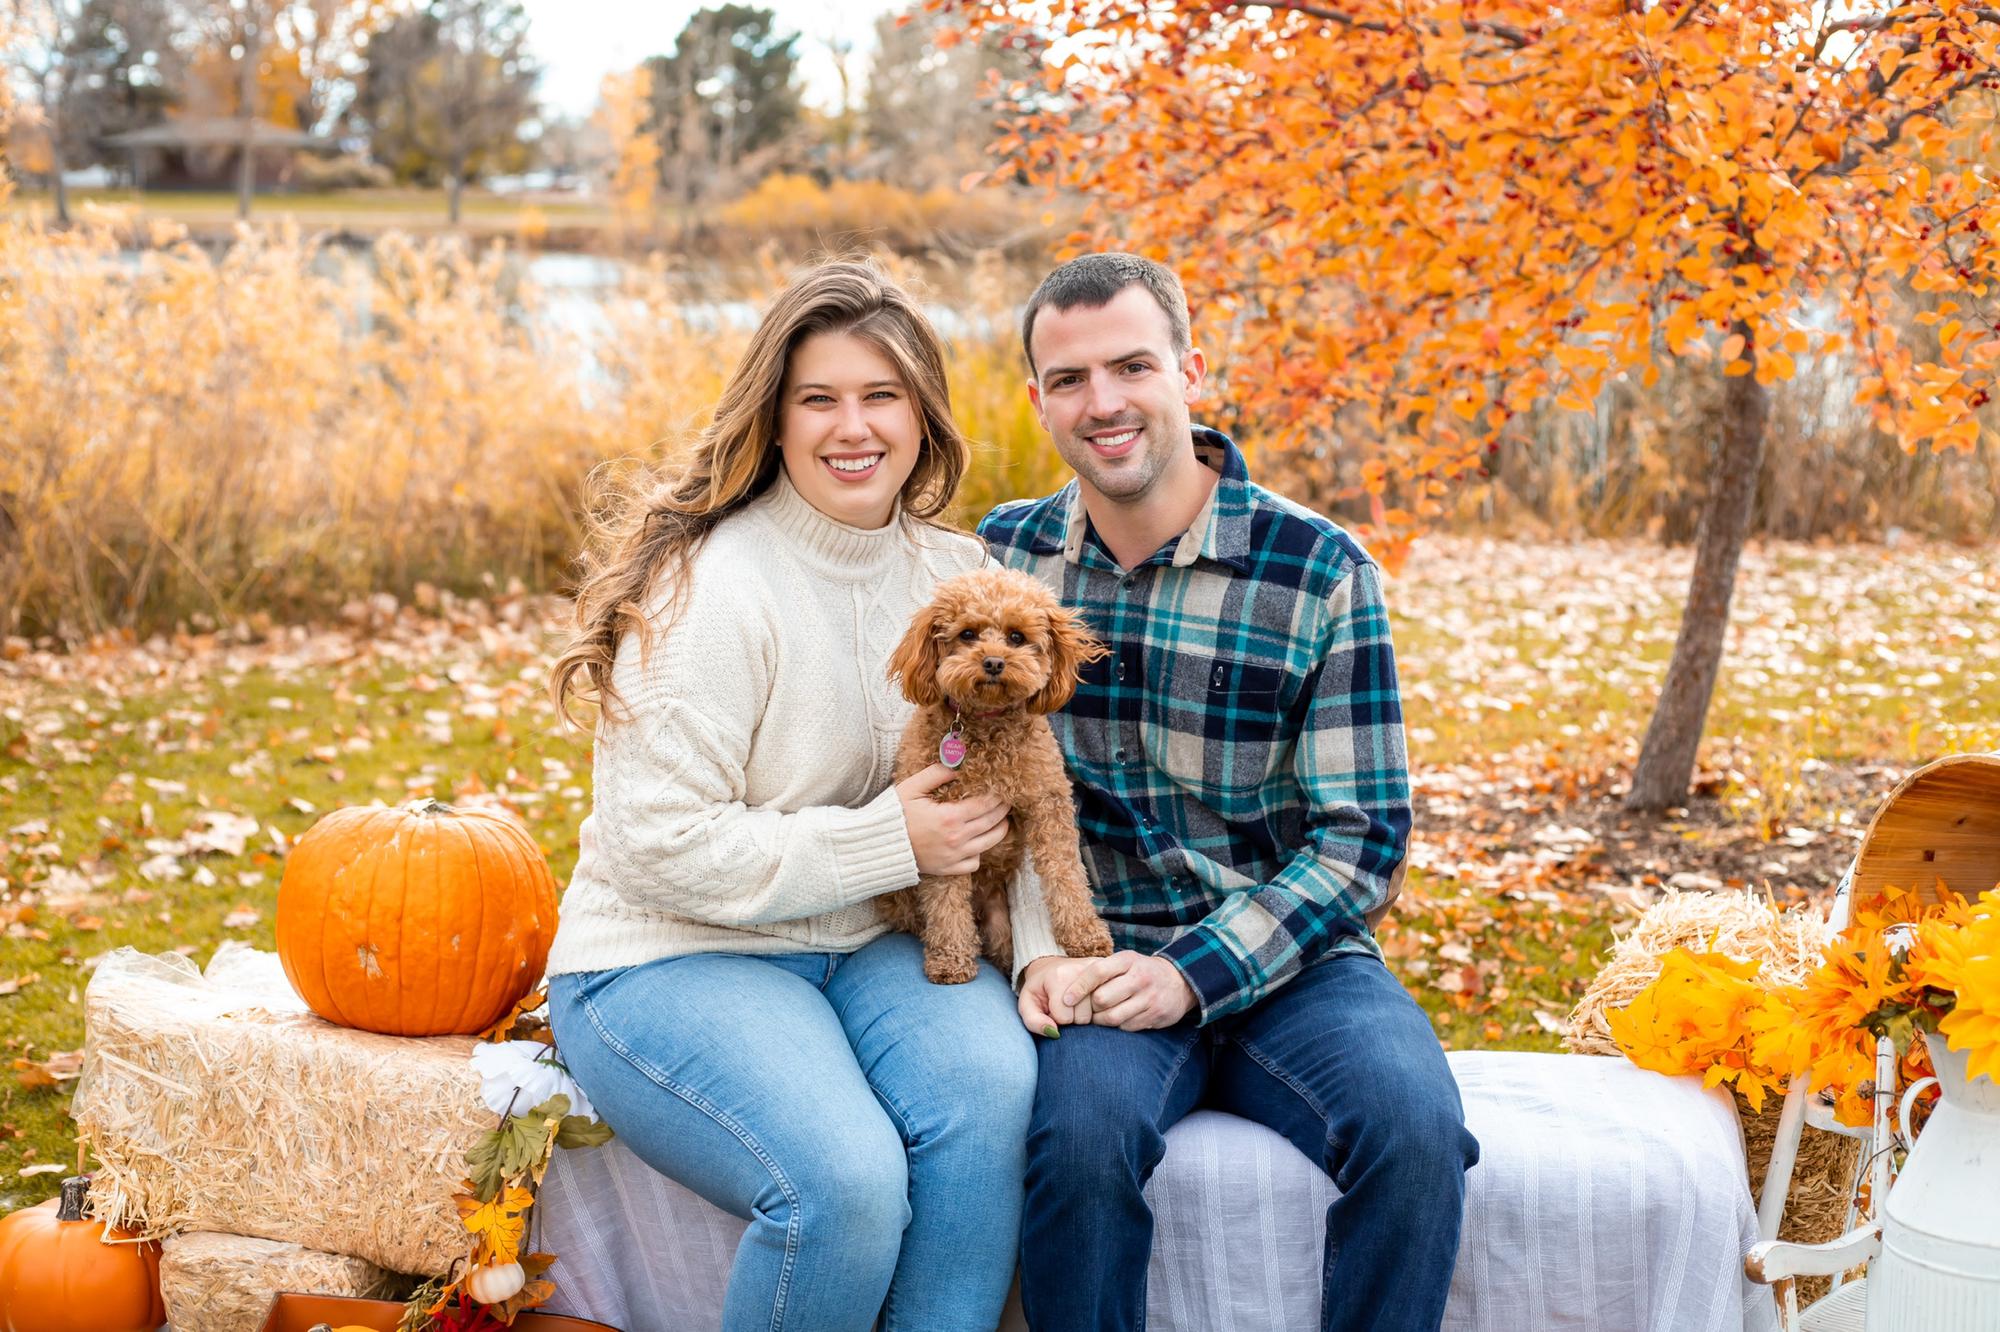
1128	990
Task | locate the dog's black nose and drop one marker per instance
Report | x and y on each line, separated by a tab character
995	665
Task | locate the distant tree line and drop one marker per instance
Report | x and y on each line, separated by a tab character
444	93
725	107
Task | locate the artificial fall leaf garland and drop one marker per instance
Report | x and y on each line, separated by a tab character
496	1281
1907	966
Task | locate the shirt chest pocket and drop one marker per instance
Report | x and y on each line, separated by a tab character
1215	724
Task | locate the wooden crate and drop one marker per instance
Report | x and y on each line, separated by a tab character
1939	826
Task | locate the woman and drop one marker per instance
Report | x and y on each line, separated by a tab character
720	984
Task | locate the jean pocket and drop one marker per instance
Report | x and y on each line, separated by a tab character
573	989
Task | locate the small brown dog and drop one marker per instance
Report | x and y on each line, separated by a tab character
984	662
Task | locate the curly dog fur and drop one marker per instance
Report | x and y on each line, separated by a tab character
994	652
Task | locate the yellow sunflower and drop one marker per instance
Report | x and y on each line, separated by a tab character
1964	960
1696	1017
1859	988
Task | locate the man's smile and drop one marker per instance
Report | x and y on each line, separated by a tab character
1114	443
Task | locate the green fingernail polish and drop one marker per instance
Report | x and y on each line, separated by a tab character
1051	1032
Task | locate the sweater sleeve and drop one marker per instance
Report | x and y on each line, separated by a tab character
669	808
1028	914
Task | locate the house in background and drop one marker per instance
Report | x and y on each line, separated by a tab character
207	152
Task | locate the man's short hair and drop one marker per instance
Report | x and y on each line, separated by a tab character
1093	280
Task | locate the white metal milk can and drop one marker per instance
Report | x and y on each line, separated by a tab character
1939	1269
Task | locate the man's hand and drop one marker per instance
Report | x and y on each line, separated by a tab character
1128	990
1042	984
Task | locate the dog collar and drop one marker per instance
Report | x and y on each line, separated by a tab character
952	748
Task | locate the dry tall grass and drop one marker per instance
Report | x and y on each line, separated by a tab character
1639	465
198	435
192	438
797	212
287	427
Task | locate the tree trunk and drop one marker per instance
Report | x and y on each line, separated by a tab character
455	187
246	165
246	173
58	166
1667	758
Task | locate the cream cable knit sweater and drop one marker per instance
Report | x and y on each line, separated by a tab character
742	802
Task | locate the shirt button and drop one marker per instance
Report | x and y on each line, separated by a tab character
1127	581
1119	756
1121	670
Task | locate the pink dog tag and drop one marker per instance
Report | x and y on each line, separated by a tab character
951	749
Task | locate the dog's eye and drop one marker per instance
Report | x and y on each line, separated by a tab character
1016	638
968	636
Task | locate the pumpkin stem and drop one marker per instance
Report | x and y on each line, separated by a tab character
431	805
74	1190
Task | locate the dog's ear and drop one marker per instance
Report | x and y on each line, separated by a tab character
916	659
1071	648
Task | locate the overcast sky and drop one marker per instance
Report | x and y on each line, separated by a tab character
580	41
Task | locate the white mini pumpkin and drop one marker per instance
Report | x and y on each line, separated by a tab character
492	1284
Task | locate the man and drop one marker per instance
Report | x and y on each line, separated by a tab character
1243	798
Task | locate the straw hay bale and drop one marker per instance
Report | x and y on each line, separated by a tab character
218	1103
225	1283
1743	926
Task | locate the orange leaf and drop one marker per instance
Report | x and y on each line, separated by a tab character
498	1225
528	1004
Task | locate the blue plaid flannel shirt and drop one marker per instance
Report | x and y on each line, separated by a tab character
1242	789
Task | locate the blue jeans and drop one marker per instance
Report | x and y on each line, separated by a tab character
868	1124
1340	1060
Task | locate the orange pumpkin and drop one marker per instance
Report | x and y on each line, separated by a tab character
58	1272
418	921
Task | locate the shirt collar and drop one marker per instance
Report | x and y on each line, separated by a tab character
1220	531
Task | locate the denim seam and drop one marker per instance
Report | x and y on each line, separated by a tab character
1174	1072
907	1134
903	1129
1271	1066
736	1130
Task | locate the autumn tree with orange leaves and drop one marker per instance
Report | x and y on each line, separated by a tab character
1405	223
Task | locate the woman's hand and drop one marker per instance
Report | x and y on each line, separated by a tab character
1043	983
949	837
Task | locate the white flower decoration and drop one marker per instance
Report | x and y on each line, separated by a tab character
524	1074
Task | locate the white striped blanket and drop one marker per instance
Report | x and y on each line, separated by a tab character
1607	1199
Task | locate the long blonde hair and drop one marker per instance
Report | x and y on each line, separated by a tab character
643	529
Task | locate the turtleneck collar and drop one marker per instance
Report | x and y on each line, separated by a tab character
833	547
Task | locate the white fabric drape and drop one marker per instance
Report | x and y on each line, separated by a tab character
1607	1199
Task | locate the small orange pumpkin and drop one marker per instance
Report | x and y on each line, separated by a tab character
419	921
61	1273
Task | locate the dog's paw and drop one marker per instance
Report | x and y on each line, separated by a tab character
1096	942
949	971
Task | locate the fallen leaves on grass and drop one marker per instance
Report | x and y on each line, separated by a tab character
58	1068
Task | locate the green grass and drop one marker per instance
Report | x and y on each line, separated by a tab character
231	742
